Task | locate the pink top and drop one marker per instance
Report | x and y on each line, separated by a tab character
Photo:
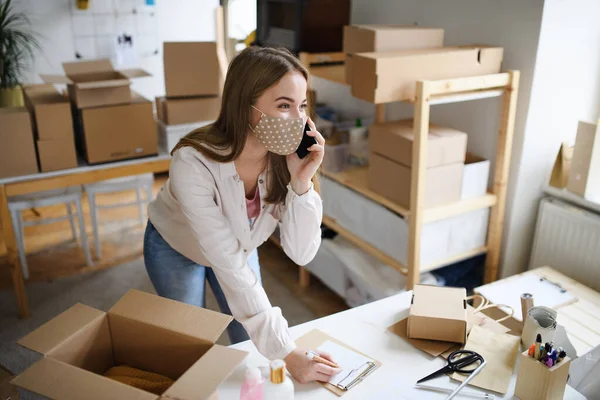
253	205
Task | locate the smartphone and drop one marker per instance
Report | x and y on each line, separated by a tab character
306	142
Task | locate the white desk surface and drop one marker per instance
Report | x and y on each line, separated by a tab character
365	329
84	167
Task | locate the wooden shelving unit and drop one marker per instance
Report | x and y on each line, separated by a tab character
430	93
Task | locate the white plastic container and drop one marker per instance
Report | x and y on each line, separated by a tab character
253	386
279	386
169	135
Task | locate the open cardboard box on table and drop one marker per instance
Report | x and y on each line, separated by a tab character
438	313
96	83
142	331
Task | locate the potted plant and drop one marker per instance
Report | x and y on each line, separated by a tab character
18	45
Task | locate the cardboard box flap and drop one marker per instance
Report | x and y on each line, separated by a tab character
172	315
57	79
88	67
134	73
439	302
205	376
103	83
58	380
54	332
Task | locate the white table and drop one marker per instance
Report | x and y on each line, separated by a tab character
365	329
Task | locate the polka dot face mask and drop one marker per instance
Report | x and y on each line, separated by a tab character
279	135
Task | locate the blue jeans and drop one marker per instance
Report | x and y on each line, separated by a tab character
176	277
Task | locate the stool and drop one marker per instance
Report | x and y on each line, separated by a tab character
66	196
139	183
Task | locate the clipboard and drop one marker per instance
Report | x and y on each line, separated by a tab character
316	338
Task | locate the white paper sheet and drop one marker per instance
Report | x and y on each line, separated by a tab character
509	292
352	363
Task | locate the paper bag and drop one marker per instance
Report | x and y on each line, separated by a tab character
562	166
500	350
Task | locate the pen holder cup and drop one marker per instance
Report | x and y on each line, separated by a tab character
535	381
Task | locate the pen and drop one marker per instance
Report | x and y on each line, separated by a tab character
561	356
538	343
311	355
488	396
469	378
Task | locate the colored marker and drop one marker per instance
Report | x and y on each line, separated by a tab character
549	362
554	355
531	351
561	356
538	343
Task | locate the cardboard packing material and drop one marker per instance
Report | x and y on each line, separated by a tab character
562	166
191	69
383	77
377	38
475	177
96	83
394	140
176	111
584	177
17	151
53	127
143	331
438	313
117	132
392	180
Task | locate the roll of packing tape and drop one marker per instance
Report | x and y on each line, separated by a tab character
540	320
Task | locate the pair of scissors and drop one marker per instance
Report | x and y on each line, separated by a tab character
461	361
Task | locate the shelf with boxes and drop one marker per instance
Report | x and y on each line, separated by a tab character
425	193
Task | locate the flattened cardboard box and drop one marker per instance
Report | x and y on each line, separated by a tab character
142	331
394	140
191	69
438	313
377	38
96	83
443	184
391	76
584	177
188	110
117	132
17	150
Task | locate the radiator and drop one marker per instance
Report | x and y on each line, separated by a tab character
567	238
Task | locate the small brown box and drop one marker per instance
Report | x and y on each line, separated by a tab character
438	313
188	110
535	381
384	77
51	112
17	150
191	69
96	83
443	184
57	154
117	132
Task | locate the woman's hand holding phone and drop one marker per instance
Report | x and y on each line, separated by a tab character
303	169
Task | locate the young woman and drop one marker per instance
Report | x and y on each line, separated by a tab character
230	184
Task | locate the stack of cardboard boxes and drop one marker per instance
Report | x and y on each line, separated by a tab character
384	62
111	121
193	85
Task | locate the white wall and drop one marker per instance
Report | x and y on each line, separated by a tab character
566	89
512	24
178	20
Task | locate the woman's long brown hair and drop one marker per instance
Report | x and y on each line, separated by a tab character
252	71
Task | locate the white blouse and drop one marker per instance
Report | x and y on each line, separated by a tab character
201	213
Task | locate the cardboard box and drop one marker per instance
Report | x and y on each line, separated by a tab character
56	154
475	177
394	140
17	150
117	132
378	38
584	177
188	110
51	112
143	331
386	77
443	183
191	69
96	83
535	381
438	313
